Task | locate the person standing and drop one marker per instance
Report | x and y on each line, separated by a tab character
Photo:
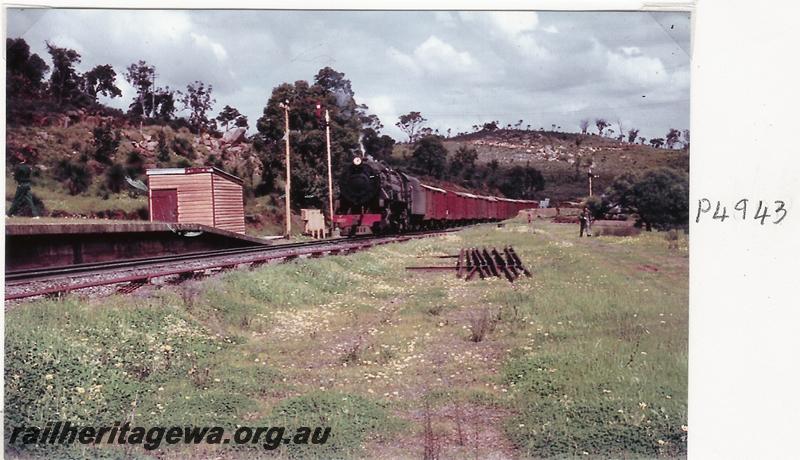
586	222
23	200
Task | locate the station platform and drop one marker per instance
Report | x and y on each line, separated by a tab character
52	242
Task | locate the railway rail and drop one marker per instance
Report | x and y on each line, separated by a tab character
134	273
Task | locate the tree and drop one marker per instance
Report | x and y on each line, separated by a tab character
228	115
657	142
584	124
410	123
241	122
102	80
376	145
522	182
660	197
65	83
686	139
163	149
490	126
140	76
598	206
601	125
673	137
463	161
198	101
164	104
24	71
642	140
632	134
430	156
105	143
332	81
307	138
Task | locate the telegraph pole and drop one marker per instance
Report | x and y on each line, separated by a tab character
288	231
330	175
591	176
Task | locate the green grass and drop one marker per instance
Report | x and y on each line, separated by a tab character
587	356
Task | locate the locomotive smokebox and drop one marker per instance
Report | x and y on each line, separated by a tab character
359	184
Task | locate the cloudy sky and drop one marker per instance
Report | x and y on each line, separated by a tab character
457	68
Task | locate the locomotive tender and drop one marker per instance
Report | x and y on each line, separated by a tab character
374	198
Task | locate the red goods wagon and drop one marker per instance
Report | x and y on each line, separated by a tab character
492	208
507	211
452	206
502	208
436	199
483	207
471	210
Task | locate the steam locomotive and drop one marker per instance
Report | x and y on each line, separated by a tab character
374	198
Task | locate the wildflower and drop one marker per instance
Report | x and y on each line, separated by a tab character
661	442
684	428
48	377
643	405
80	390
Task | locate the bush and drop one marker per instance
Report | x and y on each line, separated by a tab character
430	156
115	178
660	197
163	149
598	206
521	182
183	147
76	176
105	143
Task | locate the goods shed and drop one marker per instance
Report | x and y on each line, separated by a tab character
204	195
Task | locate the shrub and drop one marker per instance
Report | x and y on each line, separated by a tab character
183	147
76	176
598	206
163	149
105	143
480	324
115	178
660	197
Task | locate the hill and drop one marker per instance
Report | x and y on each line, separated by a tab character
92	186
562	158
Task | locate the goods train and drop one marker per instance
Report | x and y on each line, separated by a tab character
377	199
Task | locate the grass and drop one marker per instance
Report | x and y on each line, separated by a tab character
588	356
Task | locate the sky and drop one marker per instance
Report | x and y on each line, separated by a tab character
457	68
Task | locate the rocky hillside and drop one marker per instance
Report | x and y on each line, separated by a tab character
564	158
73	177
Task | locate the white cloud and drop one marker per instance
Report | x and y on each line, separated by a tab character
405	61
383	106
435	57
641	71
438	57
514	23
630	50
551	29
203	41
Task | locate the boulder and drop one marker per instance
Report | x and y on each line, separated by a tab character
233	136
151	146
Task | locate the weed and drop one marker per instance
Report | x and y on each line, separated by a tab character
480	324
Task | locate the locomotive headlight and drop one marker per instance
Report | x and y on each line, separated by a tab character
357	161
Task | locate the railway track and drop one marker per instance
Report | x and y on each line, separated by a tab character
134	273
